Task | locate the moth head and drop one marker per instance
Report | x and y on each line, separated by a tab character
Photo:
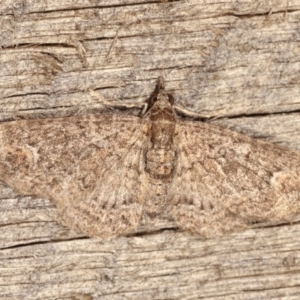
160	99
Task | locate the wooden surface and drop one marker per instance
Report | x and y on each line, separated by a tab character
238	60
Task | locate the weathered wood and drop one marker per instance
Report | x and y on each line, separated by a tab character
238	60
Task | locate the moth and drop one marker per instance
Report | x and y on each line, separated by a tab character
109	173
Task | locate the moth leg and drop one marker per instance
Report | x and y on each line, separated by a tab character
118	104
192	114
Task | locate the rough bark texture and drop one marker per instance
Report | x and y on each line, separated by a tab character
238	60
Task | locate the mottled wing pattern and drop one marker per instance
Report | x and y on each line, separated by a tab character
89	166
226	180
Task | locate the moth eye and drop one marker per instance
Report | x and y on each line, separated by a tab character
171	99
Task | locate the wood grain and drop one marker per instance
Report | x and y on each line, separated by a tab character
238	60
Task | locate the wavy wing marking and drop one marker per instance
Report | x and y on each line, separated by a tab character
226	180
89	166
